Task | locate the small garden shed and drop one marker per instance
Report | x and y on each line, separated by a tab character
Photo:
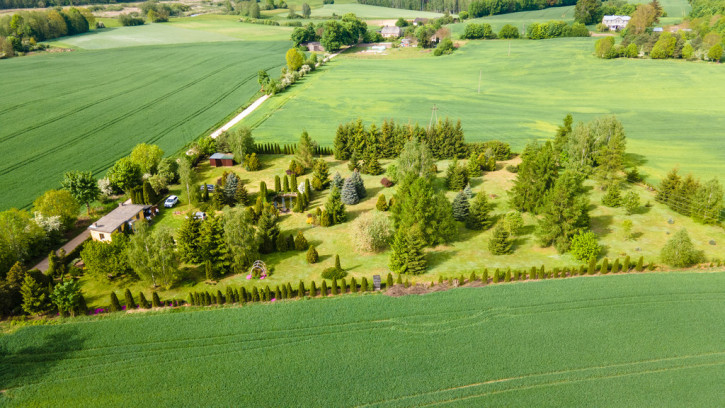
221	159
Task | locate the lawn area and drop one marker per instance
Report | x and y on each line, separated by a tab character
524	96
468	252
650	339
110	99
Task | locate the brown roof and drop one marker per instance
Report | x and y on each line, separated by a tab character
122	214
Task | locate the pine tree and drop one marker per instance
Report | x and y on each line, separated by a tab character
301	290
130	304
312	255
187	240
372	164
281	243
268	229
333	288
349	193
565	212
407	254
627	264
334	207
456	176
354	162
461	207
301	242
613	197
313	289
115	304
359	185
479	213
321	175
473	167
499	243
142	301
241	196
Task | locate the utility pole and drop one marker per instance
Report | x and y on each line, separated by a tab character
509	48
480	72
434	114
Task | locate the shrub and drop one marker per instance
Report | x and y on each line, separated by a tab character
640	264
301	242
613	197
371	232
130	304
343	286
592	266
142	301
389	282
473	277
626	266
585	246
382	203
313	289
616	266
334	272
508	31
604	269
484	277
312	255
631	202
507	277
353	285
333	288
323	288
301	289
499	243
386	182
364	285
679	251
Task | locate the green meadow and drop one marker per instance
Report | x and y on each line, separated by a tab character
621	340
162	83
671	110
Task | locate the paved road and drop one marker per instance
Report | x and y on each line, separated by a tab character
68	247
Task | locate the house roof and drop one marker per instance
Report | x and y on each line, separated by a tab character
611	18
391	30
122	214
420	20
222	156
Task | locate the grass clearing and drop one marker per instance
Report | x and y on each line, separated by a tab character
164	94
523	97
366	11
638	340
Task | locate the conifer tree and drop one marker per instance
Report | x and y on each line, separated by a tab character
495	276
241	196
312	255
473	277
277	185
364	285
142	301
305	151
372	164
382	203
333	288
155	301
289	290
461	207
219	297
334	207
277	293
255	294
187	240
338	181
285	184
354	162
213	247
565	212
479	213
389	282
627	264
293	182
353	285
456	176
484	276
592	266
349	193
536	175
301	290
604	269
267	293
268	229
320	175
130	303
300	241
613	197
313	289
281	243
473	167
499	243
507	277
359	185
343	286
408	254
115	304
615	266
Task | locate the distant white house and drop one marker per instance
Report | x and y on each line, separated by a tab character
616	23
391	32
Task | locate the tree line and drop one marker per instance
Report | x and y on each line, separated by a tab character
333	34
21	32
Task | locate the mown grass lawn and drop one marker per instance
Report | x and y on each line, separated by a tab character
651	339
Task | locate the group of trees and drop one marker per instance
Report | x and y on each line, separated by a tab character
144	175
21	32
445	139
492	7
688	196
556	29
332	34
475	31
297	67
663	45
550	178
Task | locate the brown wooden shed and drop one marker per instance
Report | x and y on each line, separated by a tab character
221	159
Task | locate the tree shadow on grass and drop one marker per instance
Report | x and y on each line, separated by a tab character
22	365
437	258
633	159
601	225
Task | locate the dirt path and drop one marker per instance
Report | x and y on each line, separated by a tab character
68	247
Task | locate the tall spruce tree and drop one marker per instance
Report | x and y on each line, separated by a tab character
305	151
461	207
187	240
320	175
565	212
479	217
349	192
500	243
407	255
240	238
334	208
416	202
212	246
537	174
268	229
338	181
359	185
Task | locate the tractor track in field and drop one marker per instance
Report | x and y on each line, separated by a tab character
181	122
13	167
85	88
86	106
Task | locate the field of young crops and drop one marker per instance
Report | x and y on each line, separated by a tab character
85	109
671	110
634	340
